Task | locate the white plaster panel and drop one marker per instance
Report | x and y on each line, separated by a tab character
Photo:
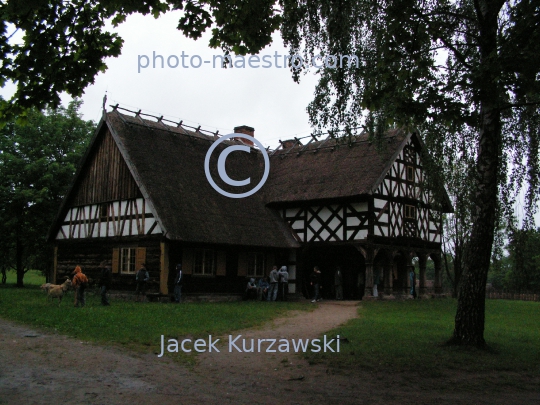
324	234
324	214
103	229
148	224
335	223
360	206
157	229
353	221
291	212
292	271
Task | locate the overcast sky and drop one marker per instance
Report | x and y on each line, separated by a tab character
215	98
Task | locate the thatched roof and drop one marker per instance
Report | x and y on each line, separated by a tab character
333	169
167	163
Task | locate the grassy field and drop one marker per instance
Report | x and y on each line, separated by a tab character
388	336
411	335
138	326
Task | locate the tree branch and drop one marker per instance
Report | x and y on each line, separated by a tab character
512	105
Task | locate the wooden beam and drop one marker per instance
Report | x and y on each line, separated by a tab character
164	268
55	265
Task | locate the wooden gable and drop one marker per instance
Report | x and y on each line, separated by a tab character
402	204
105	200
105	177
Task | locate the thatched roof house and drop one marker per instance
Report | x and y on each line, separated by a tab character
141	194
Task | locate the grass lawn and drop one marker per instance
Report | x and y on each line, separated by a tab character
410	336
138	326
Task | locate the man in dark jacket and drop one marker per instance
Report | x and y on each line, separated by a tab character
141	278
315	281
178	284
338	283
105	282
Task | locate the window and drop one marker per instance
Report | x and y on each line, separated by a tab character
255	264
410	173
205	262
103	211
127	260
410	211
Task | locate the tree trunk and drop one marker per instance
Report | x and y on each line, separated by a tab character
470	315
19	251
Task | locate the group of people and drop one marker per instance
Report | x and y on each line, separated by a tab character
80	282
275	287
315	282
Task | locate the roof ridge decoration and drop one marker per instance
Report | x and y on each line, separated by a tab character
314	137
161	120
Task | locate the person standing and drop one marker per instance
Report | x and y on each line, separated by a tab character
272	291
105	282
338	283
412	279
141	278
283	275
79	282
178	284
315	281
360	285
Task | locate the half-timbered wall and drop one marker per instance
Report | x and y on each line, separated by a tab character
401	202
105	177
329	223
112	219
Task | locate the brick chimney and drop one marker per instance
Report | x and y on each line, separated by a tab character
289	143
244	129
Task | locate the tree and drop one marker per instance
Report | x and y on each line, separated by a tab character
458	172
37	163
489	84
65	43
524	249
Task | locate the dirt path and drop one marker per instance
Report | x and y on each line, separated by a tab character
38	368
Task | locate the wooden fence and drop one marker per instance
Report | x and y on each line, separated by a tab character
513	296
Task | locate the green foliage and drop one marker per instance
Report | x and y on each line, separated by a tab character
65	43
520	270
409	336
37	163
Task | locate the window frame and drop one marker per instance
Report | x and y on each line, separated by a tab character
207	255
410	211
252	260
132	259
411	173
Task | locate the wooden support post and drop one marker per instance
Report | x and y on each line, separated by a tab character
368	292
164	269
388	275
